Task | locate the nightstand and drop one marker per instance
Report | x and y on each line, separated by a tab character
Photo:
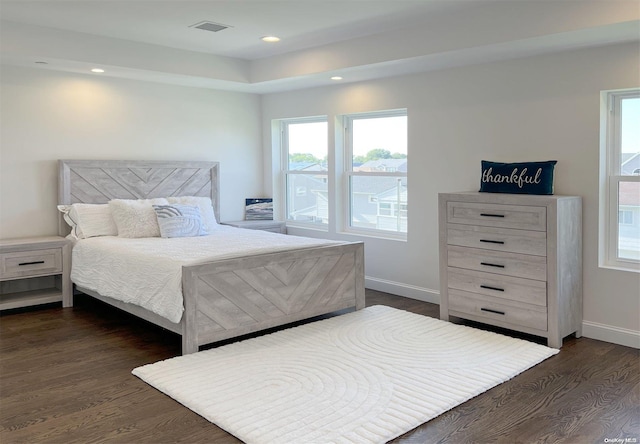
35	271
265	225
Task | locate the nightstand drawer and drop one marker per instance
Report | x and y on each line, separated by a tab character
30	263
528	291
499	239
480	306
508	264
497	215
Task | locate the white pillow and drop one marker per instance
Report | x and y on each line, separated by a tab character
205	206
89	220
136	218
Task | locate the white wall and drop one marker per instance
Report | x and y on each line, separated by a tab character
48	115
536	108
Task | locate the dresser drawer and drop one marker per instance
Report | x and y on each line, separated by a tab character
528	291
497	215
498	262
30	263
480	306
499	239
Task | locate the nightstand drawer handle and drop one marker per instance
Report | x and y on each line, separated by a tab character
491	215
491	288
492	241
30	263
493	311
491	265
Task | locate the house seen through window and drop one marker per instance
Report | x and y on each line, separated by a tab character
377	149
306	171
370	194
629	191
621	187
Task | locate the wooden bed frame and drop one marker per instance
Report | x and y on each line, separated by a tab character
230	297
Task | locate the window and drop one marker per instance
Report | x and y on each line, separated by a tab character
620	182
384	209
304	147
376	170
625	217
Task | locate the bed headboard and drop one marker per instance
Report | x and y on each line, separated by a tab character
99	181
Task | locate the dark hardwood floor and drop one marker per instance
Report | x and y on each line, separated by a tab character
65	377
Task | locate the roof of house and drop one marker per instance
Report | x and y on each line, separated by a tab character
630	164
376	185
306	166
384	164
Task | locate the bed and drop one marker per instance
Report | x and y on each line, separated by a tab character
230	296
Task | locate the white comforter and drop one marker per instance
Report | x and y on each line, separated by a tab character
148	271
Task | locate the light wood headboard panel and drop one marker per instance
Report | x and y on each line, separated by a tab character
99	181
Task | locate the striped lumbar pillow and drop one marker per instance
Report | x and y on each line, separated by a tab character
179	220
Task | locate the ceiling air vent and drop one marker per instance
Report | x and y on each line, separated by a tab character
210	26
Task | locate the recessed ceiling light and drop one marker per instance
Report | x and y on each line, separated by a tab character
336	78
98	70
270	39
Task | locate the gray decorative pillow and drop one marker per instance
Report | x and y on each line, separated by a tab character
179	220
204	204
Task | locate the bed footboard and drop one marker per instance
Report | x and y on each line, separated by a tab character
233	297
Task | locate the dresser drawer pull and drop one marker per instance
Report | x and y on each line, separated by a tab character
491	265
491	215
493	311
30	263
488	241
491	288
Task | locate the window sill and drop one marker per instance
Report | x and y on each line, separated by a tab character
400	237
312	227
617	267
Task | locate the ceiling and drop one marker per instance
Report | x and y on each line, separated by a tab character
355	39
299	23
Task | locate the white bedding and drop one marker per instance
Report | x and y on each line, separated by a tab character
148	271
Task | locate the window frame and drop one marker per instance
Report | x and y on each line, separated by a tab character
349	174
611	178
286	173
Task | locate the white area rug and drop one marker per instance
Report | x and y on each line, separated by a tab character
363	377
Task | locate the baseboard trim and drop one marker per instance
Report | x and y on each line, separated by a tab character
405	290
592	330
609	333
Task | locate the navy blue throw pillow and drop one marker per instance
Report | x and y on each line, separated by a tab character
517	178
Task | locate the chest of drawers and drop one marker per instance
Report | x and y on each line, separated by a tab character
514	261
